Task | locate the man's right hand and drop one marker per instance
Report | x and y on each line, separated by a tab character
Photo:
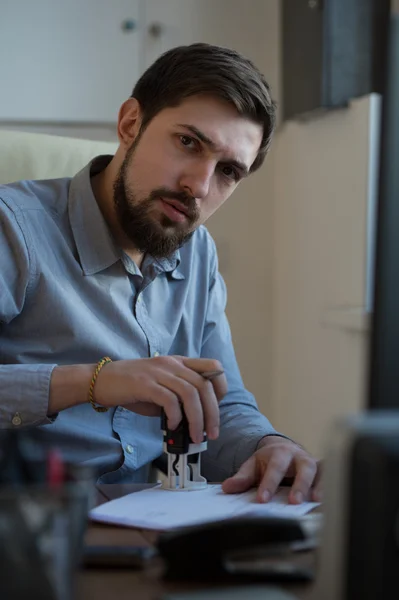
147	385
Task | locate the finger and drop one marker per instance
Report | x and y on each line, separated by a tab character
203	365
317	493
159	397
306	469
244	479
209	403
275	470
144	408
190	400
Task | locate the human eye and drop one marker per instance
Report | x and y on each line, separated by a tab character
188	142
230	172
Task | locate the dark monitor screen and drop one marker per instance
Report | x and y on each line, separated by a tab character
383	390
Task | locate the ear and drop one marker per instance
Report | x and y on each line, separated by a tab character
129	122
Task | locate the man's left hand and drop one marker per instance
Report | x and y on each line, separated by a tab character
275	459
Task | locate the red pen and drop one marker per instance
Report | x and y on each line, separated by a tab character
55	469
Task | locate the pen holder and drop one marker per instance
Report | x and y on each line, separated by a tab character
41	540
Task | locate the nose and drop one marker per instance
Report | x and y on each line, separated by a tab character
196	180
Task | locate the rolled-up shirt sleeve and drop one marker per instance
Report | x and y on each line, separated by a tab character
24	388
242	425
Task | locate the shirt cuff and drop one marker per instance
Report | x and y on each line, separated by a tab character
276	434
25	395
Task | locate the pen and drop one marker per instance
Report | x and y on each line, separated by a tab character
211	374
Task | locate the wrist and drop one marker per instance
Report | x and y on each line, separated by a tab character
69	386
272	438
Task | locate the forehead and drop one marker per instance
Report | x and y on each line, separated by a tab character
232	134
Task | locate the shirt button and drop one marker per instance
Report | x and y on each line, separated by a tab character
129	449
16	420
156	354
139	299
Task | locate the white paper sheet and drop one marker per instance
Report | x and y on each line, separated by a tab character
160	509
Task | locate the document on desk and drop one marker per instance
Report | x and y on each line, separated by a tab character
160	509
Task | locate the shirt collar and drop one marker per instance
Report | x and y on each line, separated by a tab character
170	265
95	244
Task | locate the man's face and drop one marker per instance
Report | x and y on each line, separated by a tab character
180	170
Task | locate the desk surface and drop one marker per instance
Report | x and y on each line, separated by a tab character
146	584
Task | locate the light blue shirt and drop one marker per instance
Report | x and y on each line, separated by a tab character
69	295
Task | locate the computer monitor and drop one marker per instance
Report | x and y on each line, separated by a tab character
383	388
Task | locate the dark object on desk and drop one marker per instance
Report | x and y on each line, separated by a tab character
117	557
359	552
236	548
24	461
21	565
44	504
41	534
254	592
16	469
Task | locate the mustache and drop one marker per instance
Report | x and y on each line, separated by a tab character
187	200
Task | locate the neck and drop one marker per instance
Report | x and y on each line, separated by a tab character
102	186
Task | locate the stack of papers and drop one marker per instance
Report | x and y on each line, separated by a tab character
160	509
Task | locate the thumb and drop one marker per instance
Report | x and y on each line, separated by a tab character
243	480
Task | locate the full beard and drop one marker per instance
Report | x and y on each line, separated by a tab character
158	236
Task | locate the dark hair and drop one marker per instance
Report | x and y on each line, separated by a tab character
206	69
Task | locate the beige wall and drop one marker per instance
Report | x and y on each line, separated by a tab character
320	339
323	193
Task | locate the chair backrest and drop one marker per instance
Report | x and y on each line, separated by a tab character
25	155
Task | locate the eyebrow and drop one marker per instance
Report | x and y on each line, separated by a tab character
211	144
